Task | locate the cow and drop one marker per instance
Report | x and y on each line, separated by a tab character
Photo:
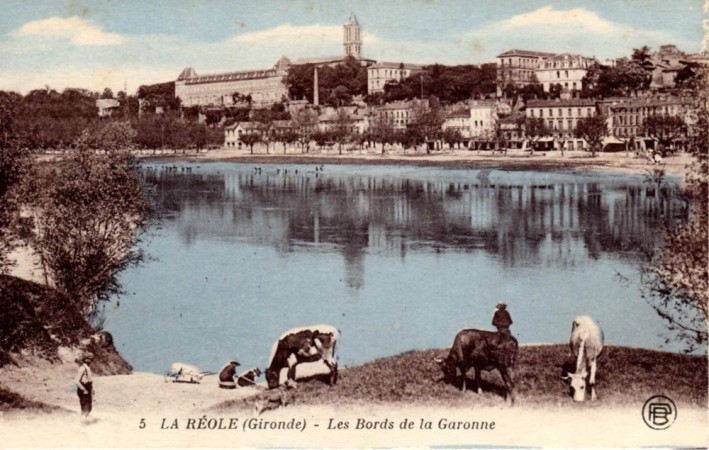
299	345
482	350
586	344
248	377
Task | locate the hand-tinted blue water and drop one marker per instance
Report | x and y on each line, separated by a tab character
397	258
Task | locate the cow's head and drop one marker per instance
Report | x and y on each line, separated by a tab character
448	366
577	383
272	378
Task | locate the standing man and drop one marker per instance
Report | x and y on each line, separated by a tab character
84	385
227	374
502	319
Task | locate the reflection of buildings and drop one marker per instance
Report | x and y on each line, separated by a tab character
355	215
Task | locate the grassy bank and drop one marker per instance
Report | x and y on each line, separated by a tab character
626	376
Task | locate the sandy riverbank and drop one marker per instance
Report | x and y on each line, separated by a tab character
518	159
122	402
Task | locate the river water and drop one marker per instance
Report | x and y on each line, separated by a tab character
397	258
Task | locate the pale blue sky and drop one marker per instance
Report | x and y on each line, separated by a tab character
94	44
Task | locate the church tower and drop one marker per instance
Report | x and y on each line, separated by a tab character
353	38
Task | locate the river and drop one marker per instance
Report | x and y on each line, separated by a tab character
396	257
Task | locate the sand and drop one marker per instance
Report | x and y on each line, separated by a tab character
171	414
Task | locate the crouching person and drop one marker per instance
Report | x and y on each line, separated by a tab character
227	374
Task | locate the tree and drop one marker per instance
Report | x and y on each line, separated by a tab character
304	123
107	93
535	128
342	131
665	129
250	139
108	137
89	212
592	129
676	280
14	162
452	136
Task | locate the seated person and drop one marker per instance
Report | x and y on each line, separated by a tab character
226	375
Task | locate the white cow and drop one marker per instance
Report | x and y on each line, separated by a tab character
586	344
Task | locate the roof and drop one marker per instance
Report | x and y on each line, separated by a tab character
395	65
515	52
632	102
320	60
396	105
561	56
233	76
105	103
536	103
458	113
244	125
479	104
353	20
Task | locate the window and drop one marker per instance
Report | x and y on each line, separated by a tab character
561	112
558	74
551	112
541	113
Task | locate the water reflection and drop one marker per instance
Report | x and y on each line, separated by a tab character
397	258
530	224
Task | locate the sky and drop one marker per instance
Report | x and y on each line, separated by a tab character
115	43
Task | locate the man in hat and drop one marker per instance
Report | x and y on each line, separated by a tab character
502	319
227	374
84	385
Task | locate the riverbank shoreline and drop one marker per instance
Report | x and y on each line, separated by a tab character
618	162
148	410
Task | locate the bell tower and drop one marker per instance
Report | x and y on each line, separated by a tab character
353	39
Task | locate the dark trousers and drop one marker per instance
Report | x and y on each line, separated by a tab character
86	399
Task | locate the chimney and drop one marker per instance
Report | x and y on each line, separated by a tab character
316	89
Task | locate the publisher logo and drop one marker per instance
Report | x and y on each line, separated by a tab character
659	412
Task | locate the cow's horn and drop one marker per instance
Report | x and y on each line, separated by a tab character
565	376
438	360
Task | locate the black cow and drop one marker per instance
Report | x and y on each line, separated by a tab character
300	345
482	350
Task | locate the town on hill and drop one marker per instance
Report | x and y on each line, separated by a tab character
528	100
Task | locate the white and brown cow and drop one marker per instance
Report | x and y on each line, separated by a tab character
315	343
586	344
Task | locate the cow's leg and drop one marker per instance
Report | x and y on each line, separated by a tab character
292	363
592	379
332	365
477	379
463	371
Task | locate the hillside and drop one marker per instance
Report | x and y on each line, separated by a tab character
38	324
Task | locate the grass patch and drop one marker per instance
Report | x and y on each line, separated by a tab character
626	376
12	402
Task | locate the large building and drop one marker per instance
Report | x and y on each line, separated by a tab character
518	67
565	70
264	86
382	72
